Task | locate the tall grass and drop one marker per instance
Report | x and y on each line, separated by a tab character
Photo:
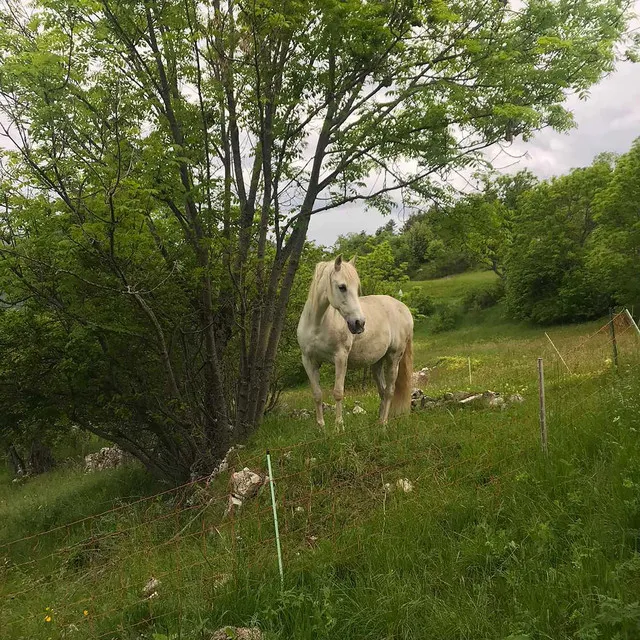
494	540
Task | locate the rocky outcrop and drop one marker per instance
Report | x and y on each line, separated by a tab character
106	458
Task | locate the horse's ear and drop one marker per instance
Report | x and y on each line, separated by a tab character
338	262
353	260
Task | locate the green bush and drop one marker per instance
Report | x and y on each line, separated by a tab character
550	276
477	299
420	302
379	274
446	318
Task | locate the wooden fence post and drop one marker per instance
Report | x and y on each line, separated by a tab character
612	333
543	409
632	321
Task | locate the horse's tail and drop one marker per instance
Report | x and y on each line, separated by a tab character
401	401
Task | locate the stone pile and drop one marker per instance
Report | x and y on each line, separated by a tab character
150	590
419	400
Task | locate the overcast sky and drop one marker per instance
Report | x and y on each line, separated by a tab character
608	121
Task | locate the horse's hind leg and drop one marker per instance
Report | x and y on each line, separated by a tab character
378	375
340	361
313	372
391	374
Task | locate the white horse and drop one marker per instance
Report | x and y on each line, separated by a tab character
332	329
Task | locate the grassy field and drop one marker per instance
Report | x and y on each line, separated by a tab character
493	541
454	288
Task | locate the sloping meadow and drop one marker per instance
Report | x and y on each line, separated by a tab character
450	522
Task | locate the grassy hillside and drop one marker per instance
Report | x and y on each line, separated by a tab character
493	541
454	288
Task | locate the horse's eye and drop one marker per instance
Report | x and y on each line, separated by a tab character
343	287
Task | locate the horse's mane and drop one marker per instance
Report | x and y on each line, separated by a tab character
321	279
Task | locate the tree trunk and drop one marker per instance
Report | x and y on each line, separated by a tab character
17	463
216	419
40	458
276	325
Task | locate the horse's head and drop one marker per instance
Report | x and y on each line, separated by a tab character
344	289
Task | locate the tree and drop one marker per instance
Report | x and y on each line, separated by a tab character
615	253
168	156
386	230
378	272
29	422
480	224
548	279
353	244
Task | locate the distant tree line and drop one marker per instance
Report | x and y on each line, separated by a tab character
565	249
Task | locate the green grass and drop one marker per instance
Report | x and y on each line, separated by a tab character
453	288
494	541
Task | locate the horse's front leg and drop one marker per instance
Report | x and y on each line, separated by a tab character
340	361
313	372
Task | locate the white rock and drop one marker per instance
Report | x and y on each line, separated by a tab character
237	633
416	397
476	396
420	378
405	484
151	588
245	484
232	504
106	458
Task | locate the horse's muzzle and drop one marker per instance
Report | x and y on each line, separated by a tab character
356	326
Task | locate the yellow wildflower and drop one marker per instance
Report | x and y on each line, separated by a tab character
47	619
85	612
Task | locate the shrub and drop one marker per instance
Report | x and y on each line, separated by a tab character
484	298
420	302
446	318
